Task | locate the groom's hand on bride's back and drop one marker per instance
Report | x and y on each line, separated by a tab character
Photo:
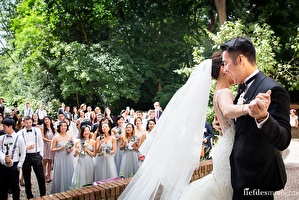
216	125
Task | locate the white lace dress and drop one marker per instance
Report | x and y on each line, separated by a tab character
217	185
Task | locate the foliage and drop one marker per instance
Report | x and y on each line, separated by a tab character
120	53
262	37
288	72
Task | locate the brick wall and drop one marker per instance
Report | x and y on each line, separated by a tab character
112	190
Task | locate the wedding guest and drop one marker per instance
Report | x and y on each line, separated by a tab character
158	110
87	114
82	120
109	116
61	109
41	112
2	107
1	125
63	169
139	130
129	163
206	142
151	115
35	122
126	114
97	110
60	118
139	113
132	116
34	154
293	118
95	126
28	110
15	114
20	124
92	117
105	167
149	127
83	107
48	132
85	150
13	146
75	114
117	132
99	131
67	113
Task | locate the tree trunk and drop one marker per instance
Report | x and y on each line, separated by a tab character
221	10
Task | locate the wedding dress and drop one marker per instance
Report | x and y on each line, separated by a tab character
172	150
217	185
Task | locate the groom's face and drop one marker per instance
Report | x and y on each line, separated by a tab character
232	66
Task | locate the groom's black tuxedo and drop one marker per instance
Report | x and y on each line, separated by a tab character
256	161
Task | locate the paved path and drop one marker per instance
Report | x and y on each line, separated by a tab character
291	191
291	159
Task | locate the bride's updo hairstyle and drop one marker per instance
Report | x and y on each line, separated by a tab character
216	64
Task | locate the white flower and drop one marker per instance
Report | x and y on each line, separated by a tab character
241	99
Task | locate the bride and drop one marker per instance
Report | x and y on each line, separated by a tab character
172	149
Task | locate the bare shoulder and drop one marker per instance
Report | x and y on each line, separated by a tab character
224	94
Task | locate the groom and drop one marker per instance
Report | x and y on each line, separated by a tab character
257	168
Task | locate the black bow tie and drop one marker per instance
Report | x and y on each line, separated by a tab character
29	130
242	87
8	136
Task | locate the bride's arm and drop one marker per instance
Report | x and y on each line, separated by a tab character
228	109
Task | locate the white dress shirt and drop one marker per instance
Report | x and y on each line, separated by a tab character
19	152
28	112
33	137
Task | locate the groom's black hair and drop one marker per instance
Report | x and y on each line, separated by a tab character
240	45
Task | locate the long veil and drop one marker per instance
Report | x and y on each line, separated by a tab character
172	149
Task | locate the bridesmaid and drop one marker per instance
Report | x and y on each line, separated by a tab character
151	123
85	149
139	130
62	144
117	133
48	132
105	167
129	163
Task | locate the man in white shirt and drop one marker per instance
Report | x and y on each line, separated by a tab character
34	155
28	110
12	156
41	112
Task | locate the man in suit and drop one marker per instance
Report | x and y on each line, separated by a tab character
257	168
207	135
158	111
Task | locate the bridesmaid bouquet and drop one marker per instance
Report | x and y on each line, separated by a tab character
118	132
69	144
106	151
83	145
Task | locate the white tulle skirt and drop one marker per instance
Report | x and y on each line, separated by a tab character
204	188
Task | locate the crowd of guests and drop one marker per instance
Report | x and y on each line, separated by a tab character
78	148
